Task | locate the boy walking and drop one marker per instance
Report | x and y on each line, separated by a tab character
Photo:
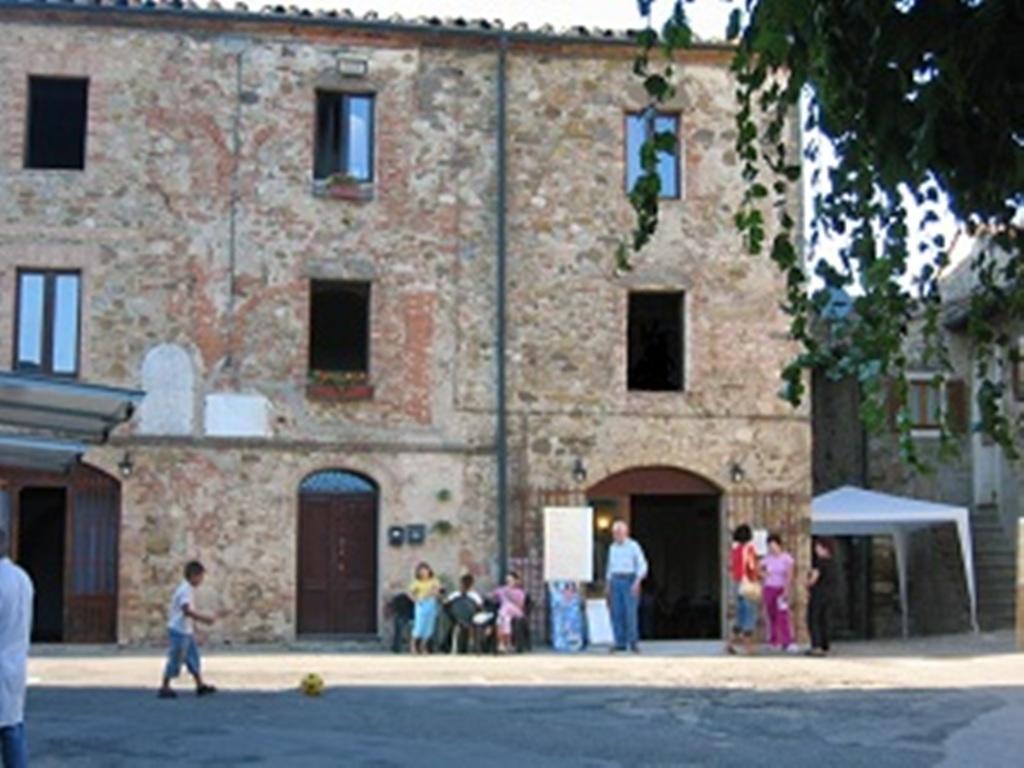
181	632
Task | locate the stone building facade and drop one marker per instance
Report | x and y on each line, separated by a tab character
199	237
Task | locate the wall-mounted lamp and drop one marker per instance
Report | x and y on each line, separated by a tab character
736	473
579	471
126	467
604	521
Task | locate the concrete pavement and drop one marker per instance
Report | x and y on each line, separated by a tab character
959	703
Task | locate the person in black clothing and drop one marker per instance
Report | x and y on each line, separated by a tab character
822	584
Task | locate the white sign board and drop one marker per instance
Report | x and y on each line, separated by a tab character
568	544
599	623
761	542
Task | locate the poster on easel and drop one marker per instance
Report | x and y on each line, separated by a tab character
568	544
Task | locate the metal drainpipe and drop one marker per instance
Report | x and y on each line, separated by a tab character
501	436
236	144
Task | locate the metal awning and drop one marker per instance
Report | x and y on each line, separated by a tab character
42	454
86	412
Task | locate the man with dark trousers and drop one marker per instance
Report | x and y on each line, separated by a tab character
626	571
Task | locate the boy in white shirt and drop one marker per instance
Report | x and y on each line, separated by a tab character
181	632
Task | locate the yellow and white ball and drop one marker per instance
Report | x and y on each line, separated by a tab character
312	684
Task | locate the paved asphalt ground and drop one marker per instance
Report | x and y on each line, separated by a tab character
949	703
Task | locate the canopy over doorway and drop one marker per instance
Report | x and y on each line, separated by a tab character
850	511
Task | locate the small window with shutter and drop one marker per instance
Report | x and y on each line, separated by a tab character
930	402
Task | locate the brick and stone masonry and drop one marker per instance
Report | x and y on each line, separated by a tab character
197	233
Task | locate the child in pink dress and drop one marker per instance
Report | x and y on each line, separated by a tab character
778	581
512	605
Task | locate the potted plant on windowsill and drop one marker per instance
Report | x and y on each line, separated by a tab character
342	186
341	386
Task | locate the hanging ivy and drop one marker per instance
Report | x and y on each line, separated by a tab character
922	105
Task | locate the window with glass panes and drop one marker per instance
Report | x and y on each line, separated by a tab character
638	126
924	398
343	143
48	322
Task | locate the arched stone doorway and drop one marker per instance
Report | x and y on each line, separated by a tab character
337	554
676	515
65	532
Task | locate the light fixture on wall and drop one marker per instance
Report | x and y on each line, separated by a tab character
126	467
579	471
736	473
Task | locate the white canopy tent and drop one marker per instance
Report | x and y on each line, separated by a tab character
850	511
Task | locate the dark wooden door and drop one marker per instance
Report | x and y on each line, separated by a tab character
92	522
337	564
91	591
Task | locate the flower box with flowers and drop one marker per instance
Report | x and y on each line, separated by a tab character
342	386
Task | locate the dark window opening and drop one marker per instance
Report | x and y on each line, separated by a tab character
655	342
55	134
638	126
339	328
344	136
47	325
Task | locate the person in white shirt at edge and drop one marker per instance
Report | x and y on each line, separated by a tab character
627	569
16	594
181	633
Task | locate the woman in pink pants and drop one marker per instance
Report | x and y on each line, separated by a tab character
778	582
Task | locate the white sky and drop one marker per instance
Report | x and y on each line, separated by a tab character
708	17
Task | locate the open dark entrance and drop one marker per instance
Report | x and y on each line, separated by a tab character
676	517
42	532
681	597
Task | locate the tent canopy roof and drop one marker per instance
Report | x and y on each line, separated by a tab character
855	511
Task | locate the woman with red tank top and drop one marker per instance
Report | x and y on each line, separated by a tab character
743	566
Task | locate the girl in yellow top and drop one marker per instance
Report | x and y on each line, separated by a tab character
424	591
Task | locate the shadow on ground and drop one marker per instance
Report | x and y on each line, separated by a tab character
489	726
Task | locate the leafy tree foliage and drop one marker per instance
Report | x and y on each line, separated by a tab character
923	104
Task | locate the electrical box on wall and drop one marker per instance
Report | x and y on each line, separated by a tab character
396	535
416	534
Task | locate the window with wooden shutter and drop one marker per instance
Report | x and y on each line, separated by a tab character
958	407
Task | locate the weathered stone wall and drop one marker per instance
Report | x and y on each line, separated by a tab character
194	225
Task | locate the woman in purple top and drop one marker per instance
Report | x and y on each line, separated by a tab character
778	582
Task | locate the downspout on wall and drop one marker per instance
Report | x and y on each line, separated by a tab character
501	223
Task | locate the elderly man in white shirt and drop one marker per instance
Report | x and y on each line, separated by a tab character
627	568
16	594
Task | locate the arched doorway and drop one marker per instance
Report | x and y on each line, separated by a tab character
676	517
337	556
65	531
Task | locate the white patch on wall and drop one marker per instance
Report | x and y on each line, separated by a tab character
168	379
232	415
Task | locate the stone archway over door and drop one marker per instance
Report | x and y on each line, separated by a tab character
337	557
76	577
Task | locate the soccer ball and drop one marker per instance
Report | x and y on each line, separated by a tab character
312	684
